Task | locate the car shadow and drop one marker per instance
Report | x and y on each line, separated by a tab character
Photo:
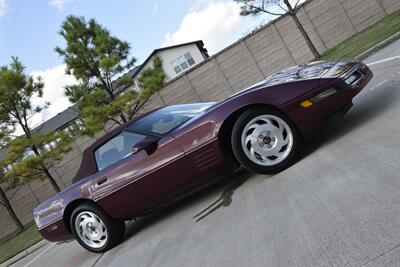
225	198
227	186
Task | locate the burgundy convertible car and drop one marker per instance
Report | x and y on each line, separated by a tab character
167	153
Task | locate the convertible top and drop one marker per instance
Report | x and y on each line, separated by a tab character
88	164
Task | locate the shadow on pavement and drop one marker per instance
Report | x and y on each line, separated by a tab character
227	185
225	199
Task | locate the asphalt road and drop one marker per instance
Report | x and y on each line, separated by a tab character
338	206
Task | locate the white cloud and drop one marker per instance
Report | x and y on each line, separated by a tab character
216	23
3	7
54	80
59	4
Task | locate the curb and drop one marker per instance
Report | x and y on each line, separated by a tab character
24	253
378	46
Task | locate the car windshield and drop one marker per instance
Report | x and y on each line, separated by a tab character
166	119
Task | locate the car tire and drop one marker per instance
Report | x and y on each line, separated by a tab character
94	229
265	141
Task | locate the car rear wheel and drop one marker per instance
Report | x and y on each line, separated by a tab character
265	140
94	229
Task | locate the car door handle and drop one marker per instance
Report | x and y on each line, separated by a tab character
102	180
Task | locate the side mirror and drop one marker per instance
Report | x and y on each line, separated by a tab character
149	145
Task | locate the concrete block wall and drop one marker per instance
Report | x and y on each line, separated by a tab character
277	45
390	6
363	13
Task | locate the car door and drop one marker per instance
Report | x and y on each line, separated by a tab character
131	184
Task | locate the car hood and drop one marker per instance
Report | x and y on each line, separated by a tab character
311	70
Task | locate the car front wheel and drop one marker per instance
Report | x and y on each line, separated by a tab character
94	229
264	140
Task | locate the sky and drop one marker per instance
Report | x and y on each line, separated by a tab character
28	29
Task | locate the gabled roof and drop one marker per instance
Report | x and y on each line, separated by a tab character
132	73
199	44
58	121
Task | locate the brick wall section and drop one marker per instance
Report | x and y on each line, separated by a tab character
249	60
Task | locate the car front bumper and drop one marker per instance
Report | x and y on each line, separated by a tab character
310	118
56	232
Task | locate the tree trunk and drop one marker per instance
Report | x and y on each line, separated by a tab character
46	171
10	210
122	116
51	179
112	96
36	151
300	27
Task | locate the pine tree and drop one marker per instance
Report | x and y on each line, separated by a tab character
98	61
29	156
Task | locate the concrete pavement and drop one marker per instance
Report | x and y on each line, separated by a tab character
338	206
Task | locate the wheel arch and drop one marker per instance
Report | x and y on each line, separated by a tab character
71	207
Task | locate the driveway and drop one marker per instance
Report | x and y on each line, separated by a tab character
338	206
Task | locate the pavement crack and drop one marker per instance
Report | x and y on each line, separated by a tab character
381	255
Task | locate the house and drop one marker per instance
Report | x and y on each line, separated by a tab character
176	60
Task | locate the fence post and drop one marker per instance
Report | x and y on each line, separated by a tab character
283	43
346	15
191	86
222	74
253	59
33	193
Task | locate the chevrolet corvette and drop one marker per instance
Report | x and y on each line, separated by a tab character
170	152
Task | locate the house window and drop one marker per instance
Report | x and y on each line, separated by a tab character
189	58
80	124
28	153
7	168
182	62
176	66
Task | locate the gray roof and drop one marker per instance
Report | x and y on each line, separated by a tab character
132	73
58	121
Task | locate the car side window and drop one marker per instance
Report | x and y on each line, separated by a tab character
116	148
